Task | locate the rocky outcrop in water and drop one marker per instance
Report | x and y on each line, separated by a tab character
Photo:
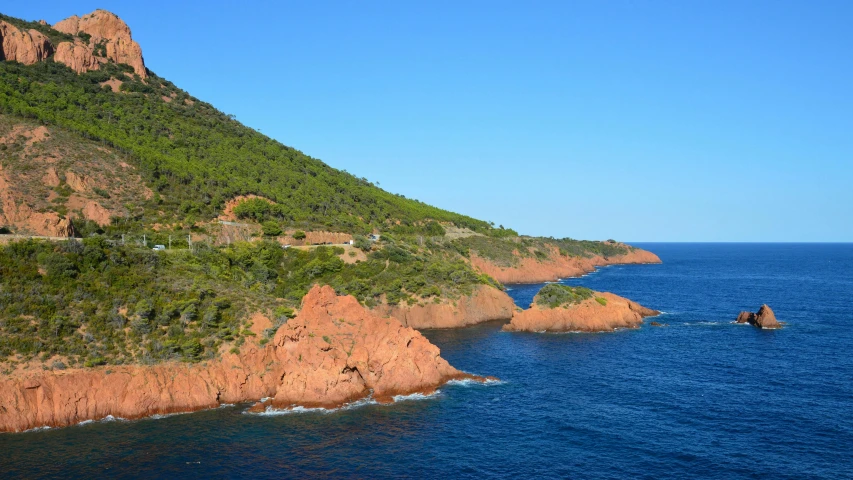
333	352
763	318
604	312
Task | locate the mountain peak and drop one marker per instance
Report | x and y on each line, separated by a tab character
109	39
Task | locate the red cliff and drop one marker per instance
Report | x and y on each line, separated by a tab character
556	266
333	352
485	304
106	30
23	46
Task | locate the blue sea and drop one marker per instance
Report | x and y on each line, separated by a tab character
699	398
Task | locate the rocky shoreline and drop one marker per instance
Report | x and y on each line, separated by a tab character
334	352
557	266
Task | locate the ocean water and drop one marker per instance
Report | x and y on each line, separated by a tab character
700	398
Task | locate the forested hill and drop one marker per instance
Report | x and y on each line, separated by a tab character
195	158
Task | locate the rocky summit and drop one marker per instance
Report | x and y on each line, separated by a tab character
89	42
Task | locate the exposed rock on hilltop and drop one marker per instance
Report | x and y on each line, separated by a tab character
110	40
333	352
578	309
94	39
23	46
763	318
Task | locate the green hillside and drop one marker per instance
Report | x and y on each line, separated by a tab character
196	157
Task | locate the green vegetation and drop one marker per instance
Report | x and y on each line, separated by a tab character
556	295
94	302
602	301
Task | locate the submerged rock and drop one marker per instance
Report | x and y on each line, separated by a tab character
763	318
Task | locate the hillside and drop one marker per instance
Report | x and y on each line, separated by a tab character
94	145
195	157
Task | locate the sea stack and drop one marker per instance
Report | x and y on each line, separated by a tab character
763	318
560	308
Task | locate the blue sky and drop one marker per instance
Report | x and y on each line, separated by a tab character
636	120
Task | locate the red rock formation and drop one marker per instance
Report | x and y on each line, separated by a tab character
556	266
105	28
333	352
27	47
763	318
485	304
587	316
77	56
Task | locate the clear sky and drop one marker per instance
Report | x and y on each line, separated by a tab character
634	120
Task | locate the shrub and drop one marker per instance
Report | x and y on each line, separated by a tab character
361	242
556	295
299	235
271	229
601	300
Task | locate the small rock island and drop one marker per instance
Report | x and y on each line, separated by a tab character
763	318
561	308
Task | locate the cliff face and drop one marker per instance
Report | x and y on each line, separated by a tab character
106	29
333	352
556	266
27	47
109	41
587	316
487	303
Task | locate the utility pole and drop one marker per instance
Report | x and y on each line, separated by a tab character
190	241
122	239
170	242
144	242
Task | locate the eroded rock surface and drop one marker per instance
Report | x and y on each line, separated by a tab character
485	304
23	46
110	41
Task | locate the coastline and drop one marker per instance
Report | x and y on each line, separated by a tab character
333	353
